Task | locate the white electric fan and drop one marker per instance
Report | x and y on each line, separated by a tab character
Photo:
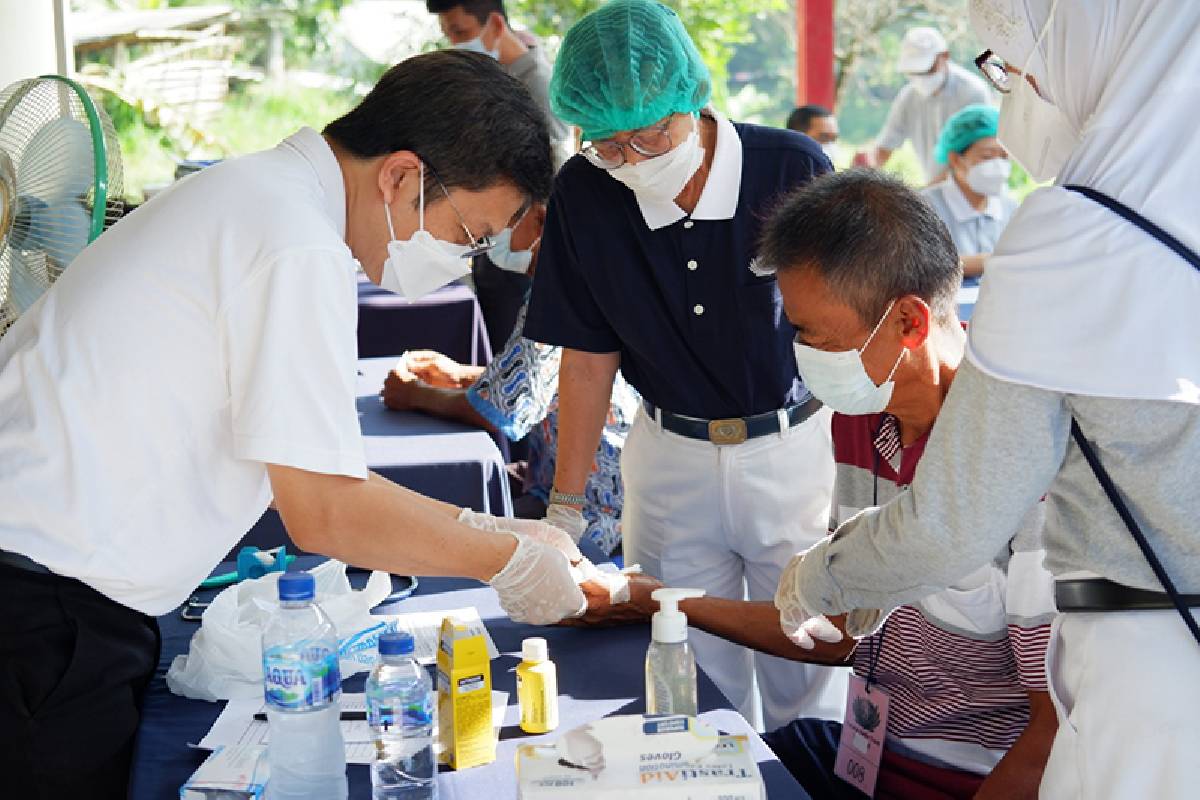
60	177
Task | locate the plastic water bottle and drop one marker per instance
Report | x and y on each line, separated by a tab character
302	685
400	710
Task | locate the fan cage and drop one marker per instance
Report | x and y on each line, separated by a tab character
25	108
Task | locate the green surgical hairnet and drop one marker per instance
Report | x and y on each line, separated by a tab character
627	65
964	129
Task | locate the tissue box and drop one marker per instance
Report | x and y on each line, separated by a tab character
676	766
464	686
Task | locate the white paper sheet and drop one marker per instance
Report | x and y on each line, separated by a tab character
426	627
236	726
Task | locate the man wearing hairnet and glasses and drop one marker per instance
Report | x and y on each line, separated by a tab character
648	266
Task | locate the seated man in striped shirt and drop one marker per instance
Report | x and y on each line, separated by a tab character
868	275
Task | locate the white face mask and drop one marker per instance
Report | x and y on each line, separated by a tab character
832	152
418	266
476	45
507	259
839	379
663	178
990	177
928	85
1033	130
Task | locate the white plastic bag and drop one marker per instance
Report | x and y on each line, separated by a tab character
224	660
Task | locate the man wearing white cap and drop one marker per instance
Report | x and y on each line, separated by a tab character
936	89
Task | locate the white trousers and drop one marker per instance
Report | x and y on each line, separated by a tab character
727	519
1126	687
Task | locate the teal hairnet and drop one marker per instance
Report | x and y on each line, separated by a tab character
964	129
627	65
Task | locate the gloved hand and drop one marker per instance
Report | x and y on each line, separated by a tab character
533	528
536	585
568	519
799	624
584	750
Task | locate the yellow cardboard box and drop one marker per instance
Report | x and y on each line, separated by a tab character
464	698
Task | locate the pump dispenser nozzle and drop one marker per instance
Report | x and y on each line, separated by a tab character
669	624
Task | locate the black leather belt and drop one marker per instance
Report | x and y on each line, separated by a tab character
18	561
734	430
1098	594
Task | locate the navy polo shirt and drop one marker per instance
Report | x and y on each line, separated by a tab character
698	332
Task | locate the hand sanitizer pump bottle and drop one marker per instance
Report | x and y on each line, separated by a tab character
670	664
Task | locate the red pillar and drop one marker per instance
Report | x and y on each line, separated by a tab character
814	53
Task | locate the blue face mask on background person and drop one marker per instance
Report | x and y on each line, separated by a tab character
507	259
839	379
476	45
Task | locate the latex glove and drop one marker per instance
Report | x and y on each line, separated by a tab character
536	585
801	626
533	528
568	519
584	750
805	629
863	622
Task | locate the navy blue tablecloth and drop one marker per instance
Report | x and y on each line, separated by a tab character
448	320
446	460
600	672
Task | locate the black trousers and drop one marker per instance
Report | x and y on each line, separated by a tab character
74	666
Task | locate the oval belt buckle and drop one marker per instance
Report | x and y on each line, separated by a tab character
727	431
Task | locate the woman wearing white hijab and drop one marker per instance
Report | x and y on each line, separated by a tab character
1087	313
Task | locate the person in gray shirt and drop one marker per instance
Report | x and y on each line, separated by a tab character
482	26
935	90
1087	317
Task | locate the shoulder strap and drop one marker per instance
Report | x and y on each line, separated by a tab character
1124	211
1114	497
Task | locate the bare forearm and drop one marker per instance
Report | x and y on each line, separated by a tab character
1019	773
376	524
584	389
973	265
756	625
450	404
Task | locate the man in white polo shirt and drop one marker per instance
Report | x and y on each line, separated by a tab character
199	359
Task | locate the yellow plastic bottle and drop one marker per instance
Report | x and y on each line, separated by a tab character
537	687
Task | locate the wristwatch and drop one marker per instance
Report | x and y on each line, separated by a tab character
559	498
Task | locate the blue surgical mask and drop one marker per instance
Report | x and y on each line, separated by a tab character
507	259
839	379
476	46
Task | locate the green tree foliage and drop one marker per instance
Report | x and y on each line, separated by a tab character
717	26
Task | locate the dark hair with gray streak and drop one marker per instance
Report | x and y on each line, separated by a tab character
871	238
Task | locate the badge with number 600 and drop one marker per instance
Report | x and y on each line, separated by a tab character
861	747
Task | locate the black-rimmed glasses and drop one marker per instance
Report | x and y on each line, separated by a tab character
994	69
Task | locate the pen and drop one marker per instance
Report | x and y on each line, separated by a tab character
345	716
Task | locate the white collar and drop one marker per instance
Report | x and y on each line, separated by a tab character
962	209
719	199
313	148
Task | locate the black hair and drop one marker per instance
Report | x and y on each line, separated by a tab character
871	238
802	117
471	123
479	9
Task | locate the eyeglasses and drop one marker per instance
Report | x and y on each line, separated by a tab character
651	142
994	69
478	246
